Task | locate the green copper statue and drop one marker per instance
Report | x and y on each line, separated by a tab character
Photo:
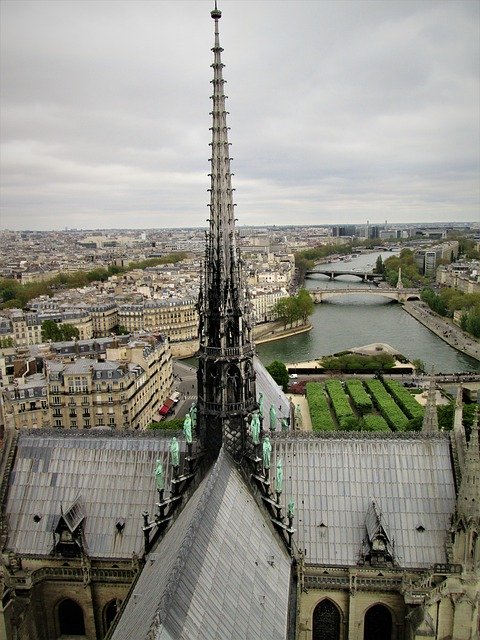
260	403
193	414
285	424
174	452
279	477
291	508
273	418
255	428
160	476
267	452
187	428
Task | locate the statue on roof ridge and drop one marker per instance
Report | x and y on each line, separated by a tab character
193	414
291	508
160	475
255	428
260	403
279	477
267	452
273	418
187	428
174	452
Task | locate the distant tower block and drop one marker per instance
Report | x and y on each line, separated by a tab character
226	378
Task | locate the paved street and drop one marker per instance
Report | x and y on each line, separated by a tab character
185	382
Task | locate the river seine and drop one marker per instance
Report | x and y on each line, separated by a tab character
355	320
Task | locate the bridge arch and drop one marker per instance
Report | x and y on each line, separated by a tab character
394	295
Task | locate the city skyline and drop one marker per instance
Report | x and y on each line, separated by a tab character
367	111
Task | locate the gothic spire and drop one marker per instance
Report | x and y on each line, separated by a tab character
458	429
468	502
226	384
399	281
430	418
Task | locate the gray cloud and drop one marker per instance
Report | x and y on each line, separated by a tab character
340	111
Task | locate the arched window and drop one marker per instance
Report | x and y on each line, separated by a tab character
326	621
109	613
378	623
70	618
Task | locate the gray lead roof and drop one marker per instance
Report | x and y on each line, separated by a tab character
112	476
333	481
220	571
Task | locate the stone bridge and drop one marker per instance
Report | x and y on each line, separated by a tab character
399	295
365	276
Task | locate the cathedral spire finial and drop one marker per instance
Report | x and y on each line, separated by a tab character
216	13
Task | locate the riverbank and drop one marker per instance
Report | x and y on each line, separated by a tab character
444	328
271	331
262	333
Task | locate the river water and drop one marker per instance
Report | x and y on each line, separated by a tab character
356	320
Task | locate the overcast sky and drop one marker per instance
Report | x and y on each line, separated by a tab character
339	111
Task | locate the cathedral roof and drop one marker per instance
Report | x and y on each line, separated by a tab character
272	394
333	479
219	570
111	474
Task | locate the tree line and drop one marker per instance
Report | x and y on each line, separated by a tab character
449	300
294	309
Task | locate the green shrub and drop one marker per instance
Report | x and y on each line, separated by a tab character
360	398
318	406
372	422
175	424
341	405
386	405
404	399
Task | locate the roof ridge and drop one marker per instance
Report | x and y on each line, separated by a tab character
76	434
362	435
187	542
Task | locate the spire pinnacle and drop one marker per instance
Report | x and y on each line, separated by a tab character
468	504
430	419
216	13
459	430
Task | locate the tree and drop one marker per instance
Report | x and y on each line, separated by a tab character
6	342
294	308
69	331
305	304
279	373
51	331
419	365
379	266
281	312
57	332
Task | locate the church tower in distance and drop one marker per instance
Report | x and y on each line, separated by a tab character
226	377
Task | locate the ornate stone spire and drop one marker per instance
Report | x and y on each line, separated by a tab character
430	418
468	502
226	379
399	281
458	429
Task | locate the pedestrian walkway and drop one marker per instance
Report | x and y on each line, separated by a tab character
444	328
297	399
